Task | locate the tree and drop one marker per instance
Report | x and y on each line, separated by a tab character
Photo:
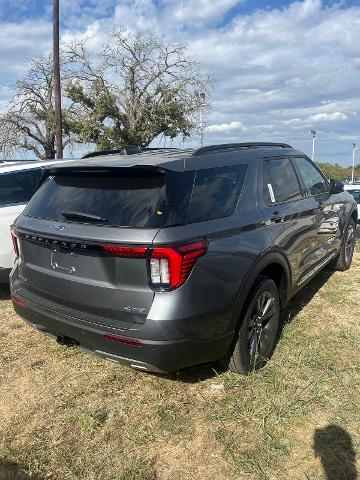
29	123
336	171
137	89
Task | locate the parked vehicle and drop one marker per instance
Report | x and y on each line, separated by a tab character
18	180
354	190
166	259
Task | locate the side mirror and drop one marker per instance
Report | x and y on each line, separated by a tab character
336	186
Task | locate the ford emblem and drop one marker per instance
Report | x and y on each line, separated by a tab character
57	227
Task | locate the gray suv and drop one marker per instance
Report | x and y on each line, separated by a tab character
170	258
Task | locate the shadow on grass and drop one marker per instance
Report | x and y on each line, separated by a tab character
203	372
303	297
4	295
12	471
333	446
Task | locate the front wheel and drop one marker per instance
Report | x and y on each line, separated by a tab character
343	261
256	337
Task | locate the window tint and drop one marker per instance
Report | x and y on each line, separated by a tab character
314	181
215	193
133	199
281	183
207	194
355	194
18	187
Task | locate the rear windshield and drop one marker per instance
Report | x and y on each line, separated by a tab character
18	187
131	200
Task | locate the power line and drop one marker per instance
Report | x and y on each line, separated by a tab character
10	15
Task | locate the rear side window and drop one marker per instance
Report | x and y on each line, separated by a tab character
355	194
280	181
17	188
134	199
314	182
207	194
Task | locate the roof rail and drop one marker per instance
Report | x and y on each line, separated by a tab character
238	146
160	149
126	150
11	160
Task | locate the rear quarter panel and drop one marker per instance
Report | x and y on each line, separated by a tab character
203	306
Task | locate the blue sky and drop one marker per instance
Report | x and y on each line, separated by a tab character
22	10
281	67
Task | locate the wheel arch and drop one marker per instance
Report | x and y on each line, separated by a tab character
273	265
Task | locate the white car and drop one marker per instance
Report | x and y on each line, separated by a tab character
354	189
18	180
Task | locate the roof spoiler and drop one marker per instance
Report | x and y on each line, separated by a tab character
126	150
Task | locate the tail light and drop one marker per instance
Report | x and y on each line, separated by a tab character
169	267
126	252
134	342
15	240
18	302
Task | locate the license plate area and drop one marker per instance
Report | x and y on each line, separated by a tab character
63	261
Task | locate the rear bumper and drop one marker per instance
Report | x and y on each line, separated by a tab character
156	356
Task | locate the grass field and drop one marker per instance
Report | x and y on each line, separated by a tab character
67	415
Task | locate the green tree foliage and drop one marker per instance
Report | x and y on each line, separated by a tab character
137	89
338	172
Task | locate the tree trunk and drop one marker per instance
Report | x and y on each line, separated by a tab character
49	152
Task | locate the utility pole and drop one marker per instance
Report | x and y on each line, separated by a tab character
201	96
57	81
313	133
353	162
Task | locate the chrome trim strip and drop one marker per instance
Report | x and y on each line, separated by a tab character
322	264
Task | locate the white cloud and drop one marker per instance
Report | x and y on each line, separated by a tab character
326	117
225	127
192	11
17	43
279	71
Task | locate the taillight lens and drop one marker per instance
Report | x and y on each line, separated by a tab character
18	302
170	267
128	341
15	240
126	252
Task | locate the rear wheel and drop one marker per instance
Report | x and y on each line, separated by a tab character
256	337
343	261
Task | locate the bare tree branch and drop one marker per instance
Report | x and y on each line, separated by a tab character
29	122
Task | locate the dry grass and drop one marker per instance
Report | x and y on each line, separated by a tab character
66	415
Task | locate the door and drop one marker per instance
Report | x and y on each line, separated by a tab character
292	218
330	208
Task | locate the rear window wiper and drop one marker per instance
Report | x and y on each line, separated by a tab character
83	216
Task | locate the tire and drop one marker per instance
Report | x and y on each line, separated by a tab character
255	339
343	261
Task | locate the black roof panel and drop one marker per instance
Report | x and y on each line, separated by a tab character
183	159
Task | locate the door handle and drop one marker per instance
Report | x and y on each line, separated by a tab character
319	208
276	217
